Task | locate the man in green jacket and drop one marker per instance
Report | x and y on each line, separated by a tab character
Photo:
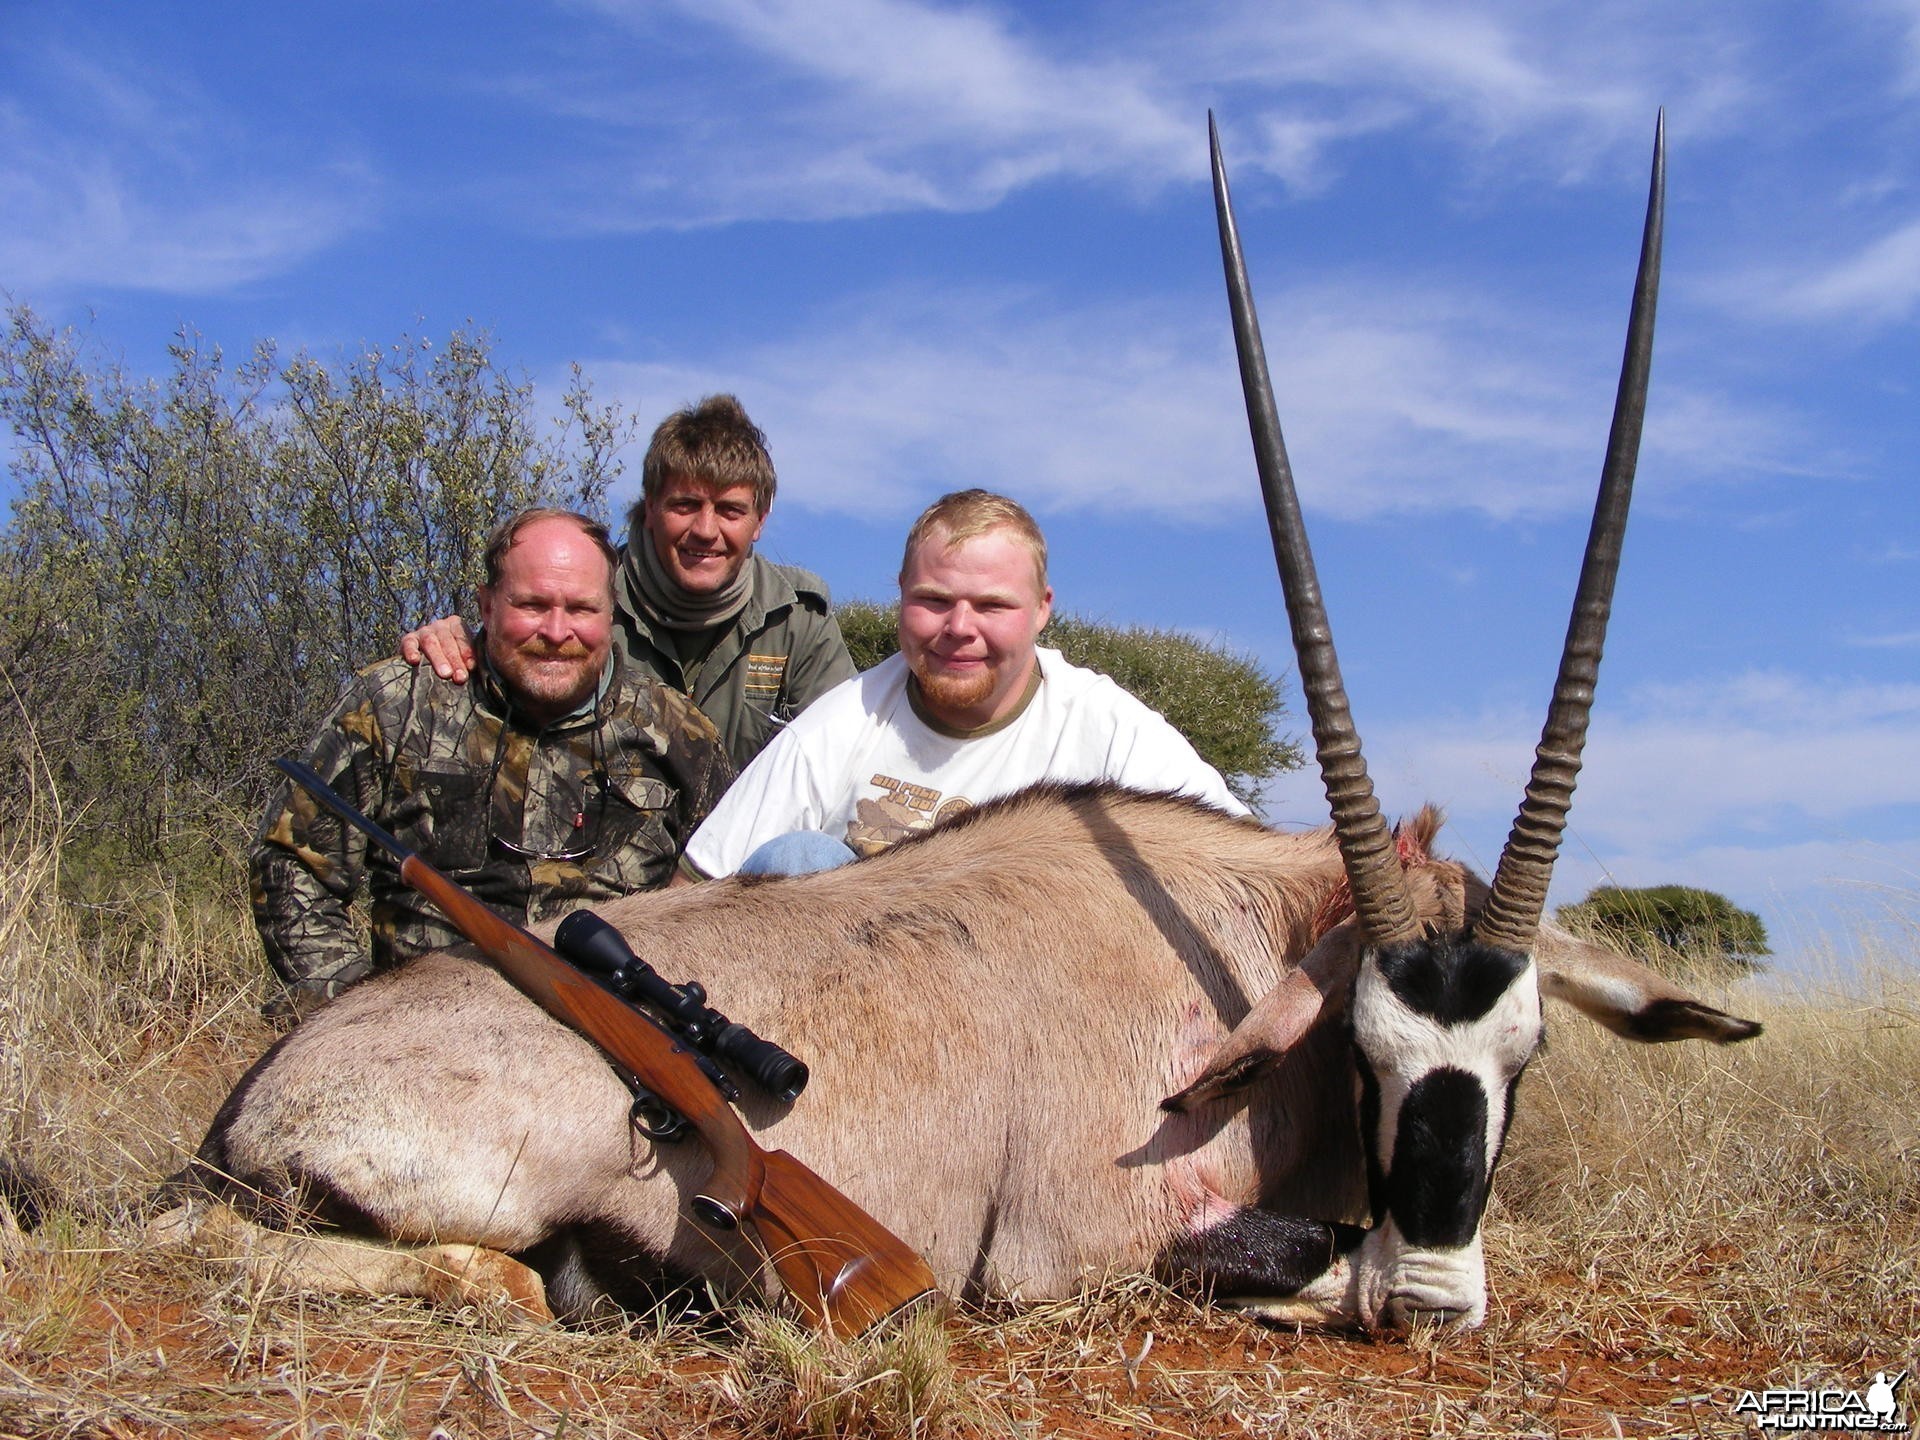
752	643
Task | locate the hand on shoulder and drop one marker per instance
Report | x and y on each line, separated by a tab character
444	644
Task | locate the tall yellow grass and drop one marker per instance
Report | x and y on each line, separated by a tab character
122	1021
1785	1169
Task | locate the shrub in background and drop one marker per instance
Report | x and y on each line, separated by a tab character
195	564
1682	930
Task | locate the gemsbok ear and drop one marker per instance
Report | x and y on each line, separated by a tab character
1317	989
1630	999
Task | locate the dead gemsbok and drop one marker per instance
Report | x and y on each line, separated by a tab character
995	1014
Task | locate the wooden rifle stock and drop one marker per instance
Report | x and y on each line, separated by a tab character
843	1268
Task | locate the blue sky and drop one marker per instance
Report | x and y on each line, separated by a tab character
938	244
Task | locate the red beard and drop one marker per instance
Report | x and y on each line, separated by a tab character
949	692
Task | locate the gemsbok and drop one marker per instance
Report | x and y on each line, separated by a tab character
1075	1032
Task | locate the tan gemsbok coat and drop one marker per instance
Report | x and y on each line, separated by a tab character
993	1015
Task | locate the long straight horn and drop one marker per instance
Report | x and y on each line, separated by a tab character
1380	899
1512	917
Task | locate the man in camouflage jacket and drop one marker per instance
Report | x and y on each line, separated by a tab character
559	775
752	643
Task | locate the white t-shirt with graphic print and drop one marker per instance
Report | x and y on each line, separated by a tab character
862	765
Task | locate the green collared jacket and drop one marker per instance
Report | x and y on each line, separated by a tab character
533	821
783	651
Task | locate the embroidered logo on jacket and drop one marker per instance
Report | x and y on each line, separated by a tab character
765	673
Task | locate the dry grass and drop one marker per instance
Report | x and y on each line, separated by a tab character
1787	1170
123	1021
1672	1225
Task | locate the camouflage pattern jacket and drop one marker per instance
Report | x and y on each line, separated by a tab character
534	822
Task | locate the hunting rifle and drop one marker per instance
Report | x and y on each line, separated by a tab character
602	951
844	1269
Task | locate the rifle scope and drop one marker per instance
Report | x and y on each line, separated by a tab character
598	948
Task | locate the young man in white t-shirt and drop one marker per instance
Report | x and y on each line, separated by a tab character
969	710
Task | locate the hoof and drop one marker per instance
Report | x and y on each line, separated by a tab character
459	1275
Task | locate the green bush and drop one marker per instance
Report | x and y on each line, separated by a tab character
1225	704
1676	927
872	630
195	564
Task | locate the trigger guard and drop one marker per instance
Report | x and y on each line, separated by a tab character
653	1118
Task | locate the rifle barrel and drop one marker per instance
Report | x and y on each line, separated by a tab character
844	1269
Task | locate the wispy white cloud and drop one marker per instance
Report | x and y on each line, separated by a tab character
1476	68
1517	88
1877	284
860	107
1731	782
955	72
119	177
897	397
1905	16
1394	399
1889	640
856	107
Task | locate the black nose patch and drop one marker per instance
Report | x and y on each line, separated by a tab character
1438	1185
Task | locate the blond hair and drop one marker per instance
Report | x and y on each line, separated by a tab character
968	514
